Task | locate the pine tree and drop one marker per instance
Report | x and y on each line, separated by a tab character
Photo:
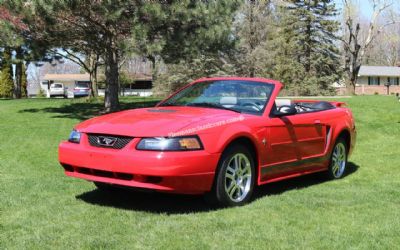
6	82
198	42
308	57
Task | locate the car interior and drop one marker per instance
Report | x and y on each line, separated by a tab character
282	106
247	103
287	106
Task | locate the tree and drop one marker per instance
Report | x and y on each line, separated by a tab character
385	49
254	31
307	55
185	33
12	37
179	74
175	29
6	82
90	26
24	82
356	47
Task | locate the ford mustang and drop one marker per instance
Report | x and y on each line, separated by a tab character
216	136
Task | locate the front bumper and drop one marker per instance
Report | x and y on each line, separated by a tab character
189	172
57	93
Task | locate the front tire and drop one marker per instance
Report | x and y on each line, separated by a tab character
338	162
235	178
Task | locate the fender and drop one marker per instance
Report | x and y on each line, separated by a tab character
222	140
344	125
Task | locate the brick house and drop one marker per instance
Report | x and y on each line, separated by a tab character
380	80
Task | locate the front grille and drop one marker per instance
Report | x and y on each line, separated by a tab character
118	142
103	173
112	175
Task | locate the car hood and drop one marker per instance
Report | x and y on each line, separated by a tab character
149	122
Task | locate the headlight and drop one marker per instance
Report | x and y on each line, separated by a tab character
74	137
170	144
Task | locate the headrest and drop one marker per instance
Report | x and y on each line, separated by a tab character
228	100
283	102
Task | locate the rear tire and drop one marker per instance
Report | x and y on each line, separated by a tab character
338	162
235	178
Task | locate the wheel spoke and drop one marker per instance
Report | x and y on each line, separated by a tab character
246	177
236	159
230	176
335	168
231	186
232	191
231	170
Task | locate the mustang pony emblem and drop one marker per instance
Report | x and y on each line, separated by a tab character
106	141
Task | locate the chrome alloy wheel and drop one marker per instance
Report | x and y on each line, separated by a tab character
339	160
238	177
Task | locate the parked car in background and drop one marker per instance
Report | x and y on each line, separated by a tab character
217	136
81	89
57	89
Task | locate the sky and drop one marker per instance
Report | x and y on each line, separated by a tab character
366	6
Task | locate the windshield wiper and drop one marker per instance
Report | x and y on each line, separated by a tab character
211	105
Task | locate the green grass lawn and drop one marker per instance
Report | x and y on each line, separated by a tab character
41	208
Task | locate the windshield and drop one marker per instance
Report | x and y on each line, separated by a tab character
56	85
82	85
239	96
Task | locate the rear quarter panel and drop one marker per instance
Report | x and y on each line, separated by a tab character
339	120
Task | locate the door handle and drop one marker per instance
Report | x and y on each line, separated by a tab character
317	122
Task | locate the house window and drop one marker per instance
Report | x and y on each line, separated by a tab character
393	80
374	80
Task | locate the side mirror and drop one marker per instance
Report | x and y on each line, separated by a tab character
285	110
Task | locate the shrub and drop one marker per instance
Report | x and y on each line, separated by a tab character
41	93
6	83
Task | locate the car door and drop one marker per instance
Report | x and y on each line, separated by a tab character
310	133
294	141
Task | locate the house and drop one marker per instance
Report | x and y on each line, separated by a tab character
69	81
141	85
381	80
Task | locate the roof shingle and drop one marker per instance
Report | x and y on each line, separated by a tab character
379	71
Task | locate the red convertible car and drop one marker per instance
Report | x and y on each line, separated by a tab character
216	136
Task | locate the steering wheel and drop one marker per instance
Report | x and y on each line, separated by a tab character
252	105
